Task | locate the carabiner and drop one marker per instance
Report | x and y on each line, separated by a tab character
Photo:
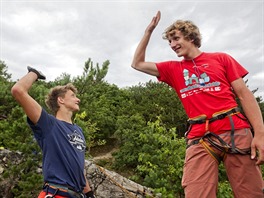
49	196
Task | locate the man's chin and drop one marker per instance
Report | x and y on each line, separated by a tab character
77	109
179	54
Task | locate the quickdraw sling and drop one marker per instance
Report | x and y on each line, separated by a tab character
213	139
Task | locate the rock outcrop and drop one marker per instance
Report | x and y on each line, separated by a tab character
108	184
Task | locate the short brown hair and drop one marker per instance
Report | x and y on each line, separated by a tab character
58	91
189	30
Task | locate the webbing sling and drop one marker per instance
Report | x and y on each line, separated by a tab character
232	132
222	145
218	158
213	154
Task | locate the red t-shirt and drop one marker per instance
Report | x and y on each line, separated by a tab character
204	88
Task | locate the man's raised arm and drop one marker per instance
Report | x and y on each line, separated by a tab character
138	62
20	93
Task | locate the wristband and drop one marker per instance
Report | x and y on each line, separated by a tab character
89	194
39	73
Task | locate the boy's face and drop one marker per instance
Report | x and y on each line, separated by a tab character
179	44
70	101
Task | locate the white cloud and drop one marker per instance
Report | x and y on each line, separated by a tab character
259	76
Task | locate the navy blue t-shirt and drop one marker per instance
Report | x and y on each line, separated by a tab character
63	146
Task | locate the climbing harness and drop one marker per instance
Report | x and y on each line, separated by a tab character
56	189
215	140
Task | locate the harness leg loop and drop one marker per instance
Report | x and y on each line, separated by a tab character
233	146
210	151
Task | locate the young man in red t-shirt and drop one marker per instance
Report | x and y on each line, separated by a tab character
207	84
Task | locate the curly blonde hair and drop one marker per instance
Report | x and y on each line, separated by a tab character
58	91
189	30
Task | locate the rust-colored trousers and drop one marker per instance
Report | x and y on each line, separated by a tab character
200	172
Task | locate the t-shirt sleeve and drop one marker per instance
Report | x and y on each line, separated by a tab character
42	125
165	71
233	69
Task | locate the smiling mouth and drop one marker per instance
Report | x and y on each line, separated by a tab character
176	49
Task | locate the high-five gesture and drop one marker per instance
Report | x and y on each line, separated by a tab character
154	22
138	62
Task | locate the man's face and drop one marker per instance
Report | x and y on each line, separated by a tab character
70	101
179	44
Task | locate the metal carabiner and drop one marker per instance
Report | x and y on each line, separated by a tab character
49	196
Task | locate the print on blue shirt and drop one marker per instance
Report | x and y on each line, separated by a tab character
77	141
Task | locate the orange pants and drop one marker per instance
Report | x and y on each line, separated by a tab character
200	172
43	194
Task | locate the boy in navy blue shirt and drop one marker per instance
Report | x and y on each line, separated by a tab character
62	142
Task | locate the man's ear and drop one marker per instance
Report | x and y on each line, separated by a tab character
60	99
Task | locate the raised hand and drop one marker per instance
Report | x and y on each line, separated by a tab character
154	22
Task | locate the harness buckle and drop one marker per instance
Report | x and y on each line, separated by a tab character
48	196
221	116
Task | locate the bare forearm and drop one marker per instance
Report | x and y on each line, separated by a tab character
252	111
28	80
23	85
140	52
139	56
87	187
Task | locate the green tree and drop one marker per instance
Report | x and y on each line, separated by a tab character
154	99
6	102
16	136
155	154
100	100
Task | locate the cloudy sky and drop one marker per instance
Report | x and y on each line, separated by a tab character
59	36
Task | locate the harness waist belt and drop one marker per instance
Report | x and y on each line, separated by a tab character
62	190
214	118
